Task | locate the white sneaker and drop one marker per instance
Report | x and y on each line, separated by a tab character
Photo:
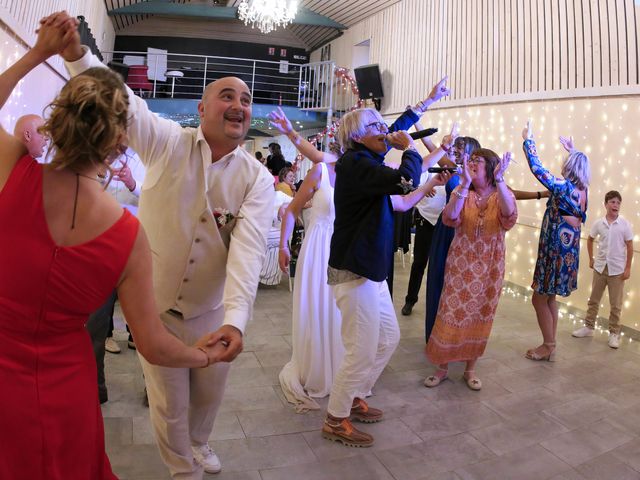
614	340
583	332
206	457
111	346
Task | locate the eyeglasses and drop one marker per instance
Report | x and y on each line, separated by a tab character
476	160
380	126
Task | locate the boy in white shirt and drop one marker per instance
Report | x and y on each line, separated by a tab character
611	267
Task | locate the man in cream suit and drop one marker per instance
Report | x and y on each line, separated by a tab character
205	271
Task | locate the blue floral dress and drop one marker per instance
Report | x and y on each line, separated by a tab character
556	271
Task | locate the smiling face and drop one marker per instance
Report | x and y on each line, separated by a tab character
225	112
477	169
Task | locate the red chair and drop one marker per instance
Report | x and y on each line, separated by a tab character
138	79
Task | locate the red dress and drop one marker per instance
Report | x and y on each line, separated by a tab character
50	420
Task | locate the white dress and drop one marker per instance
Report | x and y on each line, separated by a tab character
317	340
270	273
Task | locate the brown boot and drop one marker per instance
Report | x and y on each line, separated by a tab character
343	431
362	412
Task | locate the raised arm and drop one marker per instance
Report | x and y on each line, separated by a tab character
53	35
279	121
506	199
426	141
375	178
305	193
402	203
541	173
153	138
438	153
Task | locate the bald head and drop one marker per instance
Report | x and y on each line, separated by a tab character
27	131
223	82
225	114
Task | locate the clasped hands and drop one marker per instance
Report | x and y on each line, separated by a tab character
57	33
223	345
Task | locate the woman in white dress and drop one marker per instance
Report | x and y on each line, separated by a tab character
317	341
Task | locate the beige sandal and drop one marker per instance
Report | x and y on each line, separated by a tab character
474	382
550	357
435	380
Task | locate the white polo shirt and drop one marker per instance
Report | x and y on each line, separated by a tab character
612	248
430	208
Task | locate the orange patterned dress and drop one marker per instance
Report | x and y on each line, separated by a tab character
472	282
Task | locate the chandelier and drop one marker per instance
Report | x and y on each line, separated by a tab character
267	15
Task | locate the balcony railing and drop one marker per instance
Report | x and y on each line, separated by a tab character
184	76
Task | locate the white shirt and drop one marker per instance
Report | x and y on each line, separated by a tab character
431	207
612	248
197	266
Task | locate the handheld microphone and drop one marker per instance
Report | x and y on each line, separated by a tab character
427	132
421	133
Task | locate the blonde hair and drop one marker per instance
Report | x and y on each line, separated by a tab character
354	124
87	121
576	169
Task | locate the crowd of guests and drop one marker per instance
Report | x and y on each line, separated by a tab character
187	271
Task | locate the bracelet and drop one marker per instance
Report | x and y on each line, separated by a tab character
284	248
206	355
539	196
500	180
296	137
445	147
459	195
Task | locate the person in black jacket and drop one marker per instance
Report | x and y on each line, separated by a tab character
361	246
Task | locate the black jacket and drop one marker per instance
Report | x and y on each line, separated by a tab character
362	240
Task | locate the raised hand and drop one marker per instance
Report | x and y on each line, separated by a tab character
567	143
440	90
279	121
527	133
56	32
501	167
465	176
450	138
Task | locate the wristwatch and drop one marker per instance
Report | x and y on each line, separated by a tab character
410	147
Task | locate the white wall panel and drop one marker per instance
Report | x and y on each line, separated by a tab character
501	50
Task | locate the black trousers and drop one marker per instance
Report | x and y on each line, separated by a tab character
98	328
421	247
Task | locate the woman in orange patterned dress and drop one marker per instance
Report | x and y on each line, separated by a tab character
482	209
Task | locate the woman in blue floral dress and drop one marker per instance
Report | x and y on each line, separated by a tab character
556	271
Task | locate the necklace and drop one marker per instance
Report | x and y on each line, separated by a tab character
483	197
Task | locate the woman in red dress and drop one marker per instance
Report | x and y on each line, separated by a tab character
65	245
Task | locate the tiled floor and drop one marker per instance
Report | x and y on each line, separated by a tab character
575	419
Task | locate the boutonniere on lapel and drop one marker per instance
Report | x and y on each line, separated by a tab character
223	216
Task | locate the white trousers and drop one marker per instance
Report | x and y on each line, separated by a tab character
370	334
183	402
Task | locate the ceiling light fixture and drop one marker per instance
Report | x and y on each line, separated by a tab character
267	15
